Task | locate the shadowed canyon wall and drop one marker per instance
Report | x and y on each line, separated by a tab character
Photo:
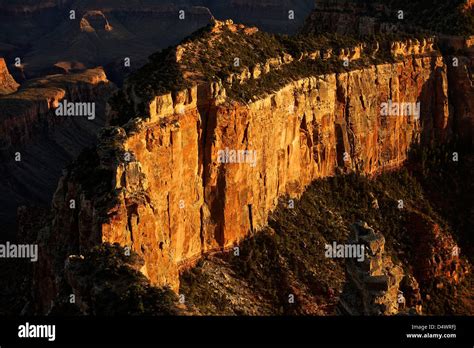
36	144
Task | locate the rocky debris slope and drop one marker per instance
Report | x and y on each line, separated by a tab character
107	282
437	255
288	256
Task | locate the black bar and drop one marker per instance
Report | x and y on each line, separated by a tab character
194	331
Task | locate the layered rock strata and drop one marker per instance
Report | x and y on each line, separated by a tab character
367	18
36	144
168	186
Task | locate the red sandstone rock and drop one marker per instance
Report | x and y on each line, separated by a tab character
7	84
170	221
172	201
437	254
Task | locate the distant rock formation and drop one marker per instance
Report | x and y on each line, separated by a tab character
8	84
94	21
106	32
378	279
279	16
368	18
45	143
